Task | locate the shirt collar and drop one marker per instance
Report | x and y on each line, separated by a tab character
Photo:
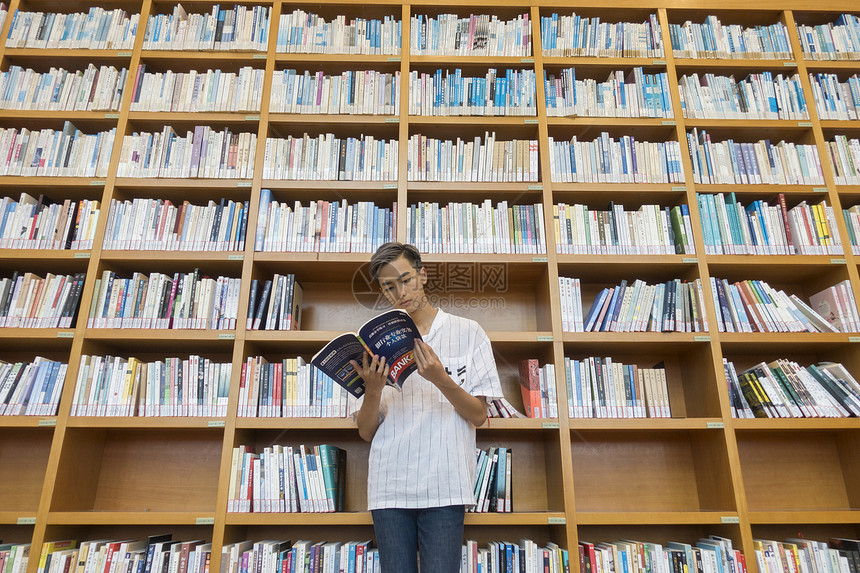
440	317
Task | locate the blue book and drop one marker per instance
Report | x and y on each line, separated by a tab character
595	309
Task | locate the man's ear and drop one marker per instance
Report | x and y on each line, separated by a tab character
423	274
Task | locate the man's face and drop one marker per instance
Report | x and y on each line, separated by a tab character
402	285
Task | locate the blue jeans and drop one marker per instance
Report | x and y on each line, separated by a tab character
435	532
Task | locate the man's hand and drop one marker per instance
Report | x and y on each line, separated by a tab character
429	365
374	373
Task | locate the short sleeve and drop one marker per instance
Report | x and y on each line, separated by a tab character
484	378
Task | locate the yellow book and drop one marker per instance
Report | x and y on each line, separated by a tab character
51	546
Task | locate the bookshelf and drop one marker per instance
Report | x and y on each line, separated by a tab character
699	473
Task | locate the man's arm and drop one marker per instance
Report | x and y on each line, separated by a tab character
472	408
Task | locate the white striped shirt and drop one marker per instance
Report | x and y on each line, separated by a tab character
423	453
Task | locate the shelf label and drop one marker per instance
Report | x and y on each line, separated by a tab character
527	60
679	188
243	184
26	521
692	260
837	261
549	426
205	521
82	255
98	182
530	121
669	122
227	336
389	186
789	64
252	118
66	334
215	424
854	339
804	124
544	338
556	521
702	338
730	519
48	423
111	116
535	187
392	120
658	63
715	425
239	257
540	260
819	189
393	59
259	56
123	54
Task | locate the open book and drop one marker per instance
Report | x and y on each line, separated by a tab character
391	335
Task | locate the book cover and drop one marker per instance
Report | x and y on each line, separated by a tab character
390	335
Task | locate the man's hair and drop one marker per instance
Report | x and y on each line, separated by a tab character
390	252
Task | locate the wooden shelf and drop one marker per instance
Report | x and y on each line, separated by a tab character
653	517
699	473
127	518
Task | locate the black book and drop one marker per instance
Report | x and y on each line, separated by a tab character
255	284
261	305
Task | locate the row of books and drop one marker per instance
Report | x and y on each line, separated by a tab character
477	35
503	556
649	230
476	228
185	301
836	555
713	39
98	29
329	158
486	160
323	226
275	304
204	152
351	92
838	40
783	163
713	554
835	99
576	35
607	160
118	386
537	386
158	224
759	96
93	89
852	224
755	306
305	479
570	299
55	153
30	301
845	159
499	93
630	94
493	480
785	389
290	388
157	553
31	223
672	306
501	408
602	388
194	91
303	32
31	388
301	556
238	28
760	228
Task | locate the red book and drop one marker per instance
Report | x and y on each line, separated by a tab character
530	387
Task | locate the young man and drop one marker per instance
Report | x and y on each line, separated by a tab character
422	456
